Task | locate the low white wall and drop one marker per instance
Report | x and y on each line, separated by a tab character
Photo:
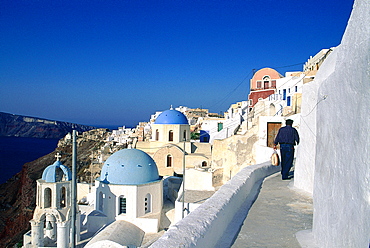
216	222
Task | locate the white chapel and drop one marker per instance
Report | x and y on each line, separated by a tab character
50	226
129	188
127	196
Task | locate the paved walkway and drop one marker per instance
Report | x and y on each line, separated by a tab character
277	214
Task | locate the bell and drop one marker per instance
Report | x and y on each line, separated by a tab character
49	227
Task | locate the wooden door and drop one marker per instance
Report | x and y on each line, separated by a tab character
272	130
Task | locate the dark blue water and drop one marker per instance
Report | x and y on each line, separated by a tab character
16	151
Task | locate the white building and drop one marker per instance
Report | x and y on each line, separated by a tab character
51	223
122	136
128	194
210	127
314	63
171	126
286	90
129	189
222	128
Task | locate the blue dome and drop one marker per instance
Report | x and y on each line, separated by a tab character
171	117
56	172
129	166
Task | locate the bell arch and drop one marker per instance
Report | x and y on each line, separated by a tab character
62	198
47	197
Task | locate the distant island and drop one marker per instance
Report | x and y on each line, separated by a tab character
32	127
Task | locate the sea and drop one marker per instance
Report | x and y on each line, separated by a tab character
16	151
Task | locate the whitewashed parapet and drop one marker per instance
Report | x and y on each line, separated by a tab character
216	222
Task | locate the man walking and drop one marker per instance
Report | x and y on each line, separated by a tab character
287	137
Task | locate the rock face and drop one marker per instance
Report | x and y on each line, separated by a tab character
18	194
24	126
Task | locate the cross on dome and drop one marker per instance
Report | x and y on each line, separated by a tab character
58	156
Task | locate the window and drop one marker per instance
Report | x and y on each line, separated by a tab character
288	101
273	84
170	135
220	126
289	90
147	203
204	164
169	161
284	94
296	89
63	197
101	201
259	84
47	198
156	135
184	135
266	84
122	205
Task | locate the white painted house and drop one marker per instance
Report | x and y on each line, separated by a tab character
121	136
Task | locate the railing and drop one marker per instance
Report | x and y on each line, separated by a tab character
275	97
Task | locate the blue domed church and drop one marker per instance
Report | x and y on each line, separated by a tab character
171	126
125	203
129	189
170	131
170	145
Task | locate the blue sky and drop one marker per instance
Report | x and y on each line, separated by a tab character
116	62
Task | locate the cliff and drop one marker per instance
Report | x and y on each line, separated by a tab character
25	126
18	194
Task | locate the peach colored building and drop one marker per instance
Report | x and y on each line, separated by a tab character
263	84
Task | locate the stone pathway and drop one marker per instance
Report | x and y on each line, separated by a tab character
277	214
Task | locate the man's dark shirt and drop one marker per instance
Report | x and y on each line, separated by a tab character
287	135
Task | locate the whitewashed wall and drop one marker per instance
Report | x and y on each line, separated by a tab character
342	185
306	154
341	171
229	127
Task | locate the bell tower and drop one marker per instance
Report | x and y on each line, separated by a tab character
171	126
50	226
